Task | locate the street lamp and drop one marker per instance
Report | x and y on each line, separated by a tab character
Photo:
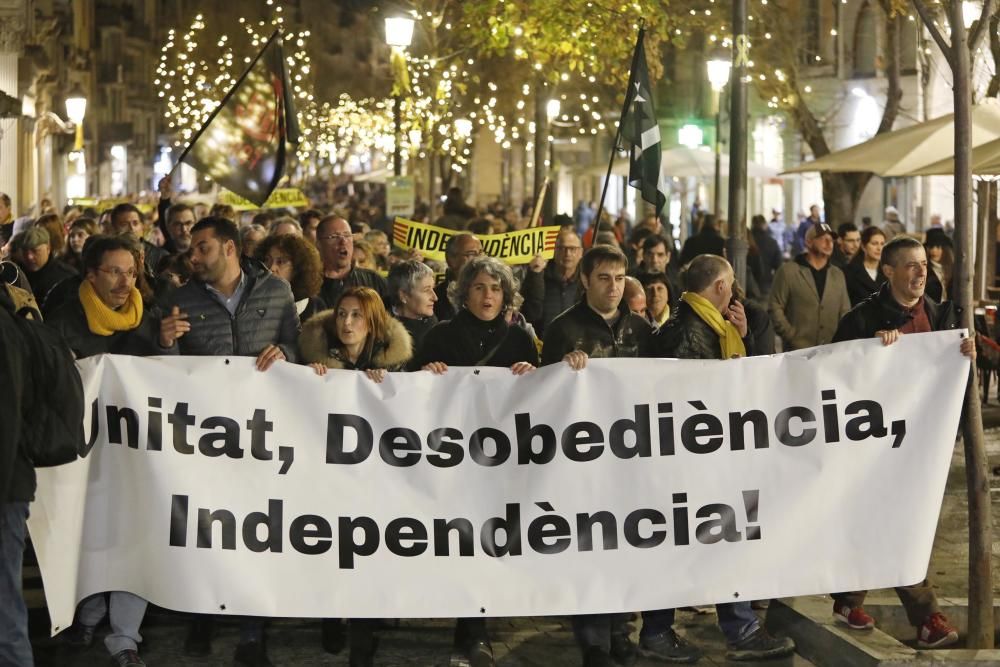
552	109
719	68
76	109
398	35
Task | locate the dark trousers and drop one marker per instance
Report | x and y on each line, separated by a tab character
919	601
468	631
596	629
736	620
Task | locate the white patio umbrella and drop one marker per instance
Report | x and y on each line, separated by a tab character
684	162
910	150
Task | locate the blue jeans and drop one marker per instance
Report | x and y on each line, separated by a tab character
15	648
736	620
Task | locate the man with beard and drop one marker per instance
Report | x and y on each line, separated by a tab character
809	295
230	308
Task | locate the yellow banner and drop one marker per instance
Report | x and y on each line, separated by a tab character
107	204
513	247
280	198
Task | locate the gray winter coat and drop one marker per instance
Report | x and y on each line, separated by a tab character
266	315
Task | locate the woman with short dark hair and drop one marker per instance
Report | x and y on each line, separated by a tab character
297	262
479	335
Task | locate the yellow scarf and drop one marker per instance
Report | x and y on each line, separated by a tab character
104	321
729	337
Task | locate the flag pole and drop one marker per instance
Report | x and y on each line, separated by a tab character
225	100
595	225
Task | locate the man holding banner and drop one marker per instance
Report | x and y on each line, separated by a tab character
230	309
901	307
597	327
709	324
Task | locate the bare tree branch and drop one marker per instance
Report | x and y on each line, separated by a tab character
980	28
994	87
928	20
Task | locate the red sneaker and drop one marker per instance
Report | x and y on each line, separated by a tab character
936	632
853	617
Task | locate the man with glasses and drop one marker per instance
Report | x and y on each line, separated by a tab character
460	250
562	279
336	249
107	317
180	220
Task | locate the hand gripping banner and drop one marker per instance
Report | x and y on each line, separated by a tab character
634	484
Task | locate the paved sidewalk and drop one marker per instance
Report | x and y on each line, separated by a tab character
520	642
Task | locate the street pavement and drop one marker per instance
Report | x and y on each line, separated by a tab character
517	642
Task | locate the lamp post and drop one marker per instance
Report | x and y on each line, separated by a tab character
718	76
398	35
737	245
552	108
76	109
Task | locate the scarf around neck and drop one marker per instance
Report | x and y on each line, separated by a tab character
104	321
729	337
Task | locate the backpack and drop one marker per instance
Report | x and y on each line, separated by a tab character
52	432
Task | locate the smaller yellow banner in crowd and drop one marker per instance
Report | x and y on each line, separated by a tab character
280	198
513	247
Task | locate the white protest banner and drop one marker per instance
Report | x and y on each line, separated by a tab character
633	484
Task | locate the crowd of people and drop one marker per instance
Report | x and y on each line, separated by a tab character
327	289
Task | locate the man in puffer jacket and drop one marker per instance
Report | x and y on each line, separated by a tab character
232	308
229	308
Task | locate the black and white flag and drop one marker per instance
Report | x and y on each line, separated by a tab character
640	128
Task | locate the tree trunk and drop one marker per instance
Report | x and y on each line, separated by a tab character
980	633
841	194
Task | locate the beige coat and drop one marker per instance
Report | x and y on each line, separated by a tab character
798	315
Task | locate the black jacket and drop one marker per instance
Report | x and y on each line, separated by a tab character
70	320
356	277
769	259
860	285
265	316
581	328
17	476
44	279
881	312
443	308
417	327
706	242
465	340
687	336
560	296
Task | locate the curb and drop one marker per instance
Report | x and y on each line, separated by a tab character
809	621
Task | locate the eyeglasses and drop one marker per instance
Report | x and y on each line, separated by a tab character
570	248
334	238
117	273
472	254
